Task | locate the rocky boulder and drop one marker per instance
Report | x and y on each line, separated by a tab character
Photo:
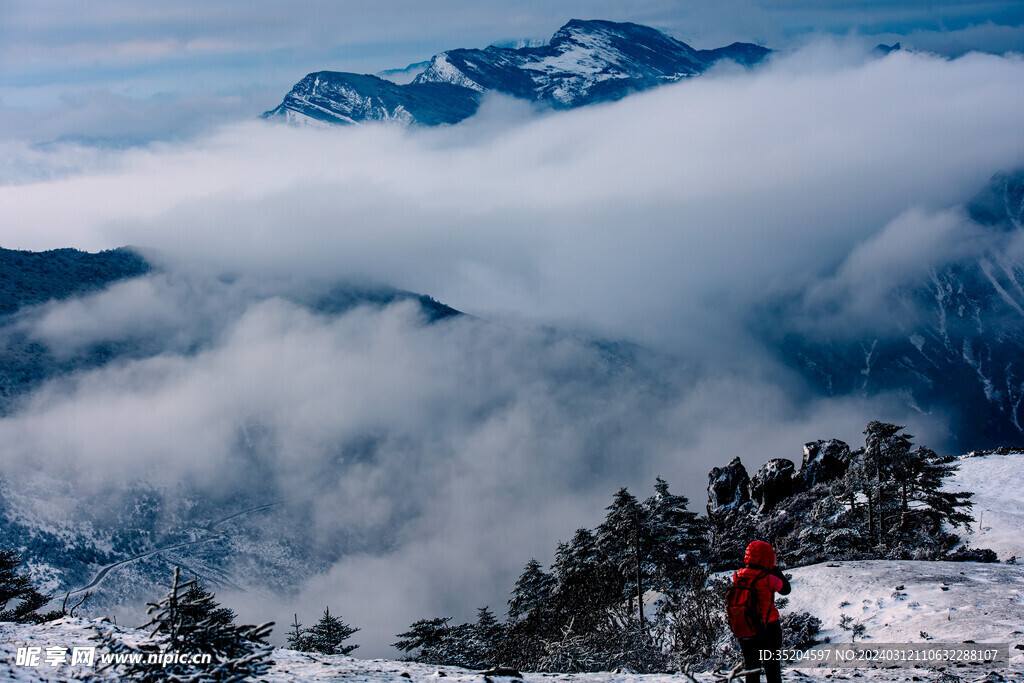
728	488
823	462
776	481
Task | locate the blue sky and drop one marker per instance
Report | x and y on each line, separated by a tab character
158	69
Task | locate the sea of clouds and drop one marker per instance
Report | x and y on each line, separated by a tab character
662	223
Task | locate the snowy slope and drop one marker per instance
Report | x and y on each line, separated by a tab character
996	481
950	601
585	61
328	97
958	354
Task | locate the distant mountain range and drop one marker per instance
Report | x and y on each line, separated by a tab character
30	280
584	62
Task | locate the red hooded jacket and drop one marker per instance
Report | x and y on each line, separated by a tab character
762	555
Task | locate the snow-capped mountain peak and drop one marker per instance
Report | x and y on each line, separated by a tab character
585	61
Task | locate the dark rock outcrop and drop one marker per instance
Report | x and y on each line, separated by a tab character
776	481
823	462
728	488
732	490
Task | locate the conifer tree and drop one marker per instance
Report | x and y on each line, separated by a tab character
427	641
475	644
188	621
17	588
328	634
587	589
487	625
198	605
625	540
919	481
677	536
532	590
886	450
425	633
892	493
297	638
577	556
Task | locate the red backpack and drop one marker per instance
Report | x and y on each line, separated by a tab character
741	608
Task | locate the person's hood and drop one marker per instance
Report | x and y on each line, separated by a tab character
761	554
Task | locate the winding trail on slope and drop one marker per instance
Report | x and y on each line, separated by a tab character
210	528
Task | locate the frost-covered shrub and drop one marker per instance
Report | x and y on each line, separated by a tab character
188	621
799	631
843	541
691	622
630	650
972	555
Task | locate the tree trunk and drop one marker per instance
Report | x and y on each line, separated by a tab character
871	515
639	582
904	507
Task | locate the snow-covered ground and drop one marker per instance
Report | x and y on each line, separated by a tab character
290	666
896	602
996	481
951	602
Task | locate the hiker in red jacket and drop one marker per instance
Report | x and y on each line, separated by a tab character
766	579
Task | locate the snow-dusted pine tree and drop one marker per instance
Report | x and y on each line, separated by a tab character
188	621
677	536
423	639
328	634
625	539
532	590
17	589
893	497
298	638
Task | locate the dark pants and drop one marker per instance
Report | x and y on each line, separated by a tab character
771	640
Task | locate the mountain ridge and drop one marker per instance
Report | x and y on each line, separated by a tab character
585	62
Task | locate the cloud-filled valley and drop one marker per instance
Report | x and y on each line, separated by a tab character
432	458
615	262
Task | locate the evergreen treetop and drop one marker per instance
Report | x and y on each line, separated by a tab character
328	634
532	589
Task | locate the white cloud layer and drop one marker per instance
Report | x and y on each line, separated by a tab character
679	204
455	450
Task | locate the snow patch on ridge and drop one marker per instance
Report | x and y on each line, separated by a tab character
441	70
